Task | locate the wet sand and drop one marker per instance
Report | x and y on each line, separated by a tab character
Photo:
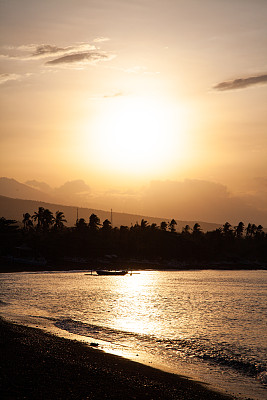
37	365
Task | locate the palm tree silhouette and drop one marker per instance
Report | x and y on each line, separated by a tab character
196	228
163	225
227	229
94	222
259	230
248	230
48	219
27	222
39	217
81	224
59	219
239	229
106	225
186	229
253	229
144	224
172	225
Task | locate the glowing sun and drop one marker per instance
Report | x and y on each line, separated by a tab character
137	135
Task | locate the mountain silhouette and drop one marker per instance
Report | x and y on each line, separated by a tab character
12	188
13	208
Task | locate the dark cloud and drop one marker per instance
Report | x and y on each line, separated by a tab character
241	83
47	49
78	53
87	57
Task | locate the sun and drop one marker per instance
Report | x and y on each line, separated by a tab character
137	135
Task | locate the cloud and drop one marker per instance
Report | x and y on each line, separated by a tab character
45	50
194	199
101	39
241	83
44	187
118	94
33	51
188	200
8	77
79	53
81	58
73	187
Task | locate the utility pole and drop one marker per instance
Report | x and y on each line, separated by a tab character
111	218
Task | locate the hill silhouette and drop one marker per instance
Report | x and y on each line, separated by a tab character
12	188
14	208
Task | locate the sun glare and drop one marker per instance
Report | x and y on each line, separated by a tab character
137	135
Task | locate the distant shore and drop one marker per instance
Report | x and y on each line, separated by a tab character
7	265
37	365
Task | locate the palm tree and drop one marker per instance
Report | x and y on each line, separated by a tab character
48	219
81	224
59	219
227	229
94	222
196	228
253	229
259	230
144	224
172	225
186	229
39	217
239	229
153	226
248	230
163	225
106	225
27	222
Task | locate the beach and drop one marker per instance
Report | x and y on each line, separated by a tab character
37	365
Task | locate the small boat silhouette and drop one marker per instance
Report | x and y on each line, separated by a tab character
109	272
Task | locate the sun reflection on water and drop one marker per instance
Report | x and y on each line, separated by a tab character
135	309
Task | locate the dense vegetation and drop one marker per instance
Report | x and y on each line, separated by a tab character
47	236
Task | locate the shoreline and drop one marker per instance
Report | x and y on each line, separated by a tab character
38	365
7	266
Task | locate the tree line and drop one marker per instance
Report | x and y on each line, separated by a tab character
48	236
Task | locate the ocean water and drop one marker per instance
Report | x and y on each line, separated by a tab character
207	325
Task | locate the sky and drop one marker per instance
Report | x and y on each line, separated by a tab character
158	107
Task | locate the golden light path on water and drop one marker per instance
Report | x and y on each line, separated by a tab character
141	313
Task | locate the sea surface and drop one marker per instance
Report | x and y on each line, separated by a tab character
208	325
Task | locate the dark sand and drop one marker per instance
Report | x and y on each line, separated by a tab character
36	365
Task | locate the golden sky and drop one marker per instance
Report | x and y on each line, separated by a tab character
158	106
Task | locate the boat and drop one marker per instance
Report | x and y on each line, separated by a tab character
109	272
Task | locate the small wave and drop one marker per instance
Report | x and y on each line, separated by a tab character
263	377
220	353
98	332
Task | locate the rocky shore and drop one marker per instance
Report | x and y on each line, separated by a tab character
36	365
